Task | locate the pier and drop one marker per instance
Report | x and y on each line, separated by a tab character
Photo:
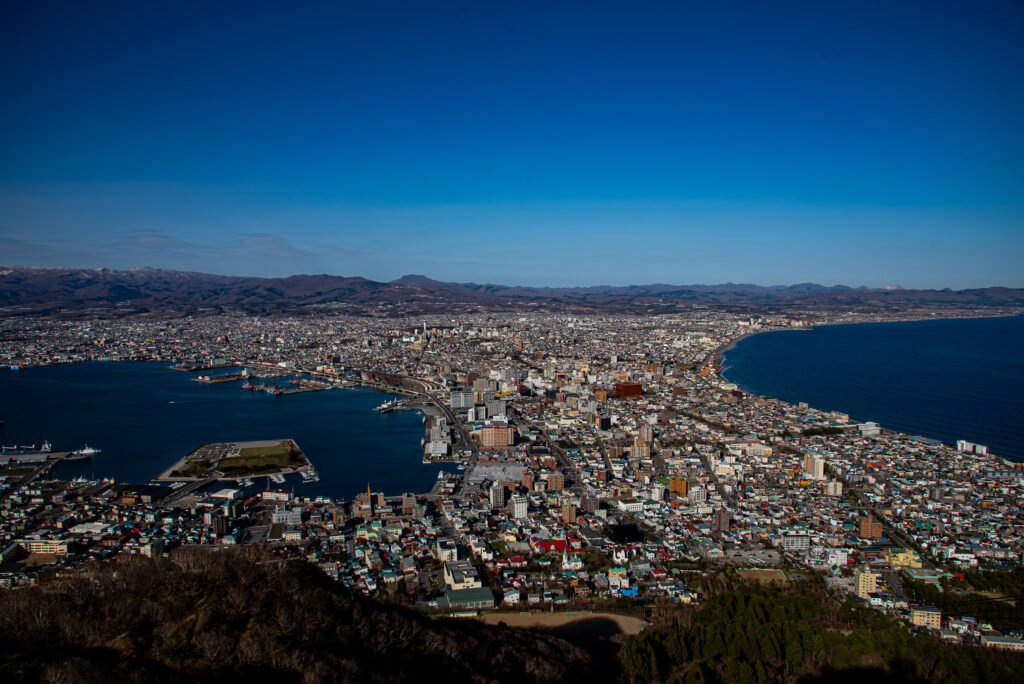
219	378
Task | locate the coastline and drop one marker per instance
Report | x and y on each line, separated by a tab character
722	352
718	355
336	473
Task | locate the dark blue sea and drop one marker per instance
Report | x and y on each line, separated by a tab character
144	416
944	379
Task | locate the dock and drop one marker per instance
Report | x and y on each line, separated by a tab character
219	378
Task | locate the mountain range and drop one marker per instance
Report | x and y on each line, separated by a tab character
28	290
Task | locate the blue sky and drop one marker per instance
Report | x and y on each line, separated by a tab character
774	143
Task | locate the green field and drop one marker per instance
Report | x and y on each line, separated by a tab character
255	460
279	449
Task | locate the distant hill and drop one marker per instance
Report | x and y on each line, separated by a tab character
104	292
248	614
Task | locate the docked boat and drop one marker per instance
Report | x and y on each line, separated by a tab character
277	478
83	454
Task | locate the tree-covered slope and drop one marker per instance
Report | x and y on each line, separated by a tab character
226	616
750	633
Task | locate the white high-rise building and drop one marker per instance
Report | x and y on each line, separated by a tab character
698	495
520	505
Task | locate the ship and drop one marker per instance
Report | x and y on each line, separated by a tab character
26	450
277	478
83	454
274	389
248	387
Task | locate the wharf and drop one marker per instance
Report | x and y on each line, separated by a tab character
17	459
304	389
218	378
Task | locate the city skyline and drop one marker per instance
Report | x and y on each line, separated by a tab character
586	145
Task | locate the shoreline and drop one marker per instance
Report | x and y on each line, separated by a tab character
717	357
160	468
725	348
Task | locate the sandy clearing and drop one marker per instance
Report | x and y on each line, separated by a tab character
626	625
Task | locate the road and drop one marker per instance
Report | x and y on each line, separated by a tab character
559	452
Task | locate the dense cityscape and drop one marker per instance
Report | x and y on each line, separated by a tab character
603	463
609	343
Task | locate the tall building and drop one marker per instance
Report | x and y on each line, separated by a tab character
647	432
568	514
926	616
408	503
814	467
528	480
641	449
520	505
461	399
556	482
867	583
678	485
496	436
721	520
870	529
497	495
698	495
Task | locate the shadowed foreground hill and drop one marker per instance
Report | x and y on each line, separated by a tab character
203	616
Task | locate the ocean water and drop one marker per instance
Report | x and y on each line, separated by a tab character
144	416
945	379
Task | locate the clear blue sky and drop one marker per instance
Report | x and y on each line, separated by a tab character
863	143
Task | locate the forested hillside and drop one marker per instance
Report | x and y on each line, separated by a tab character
750	633
224	616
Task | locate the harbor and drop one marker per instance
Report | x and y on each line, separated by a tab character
163	416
